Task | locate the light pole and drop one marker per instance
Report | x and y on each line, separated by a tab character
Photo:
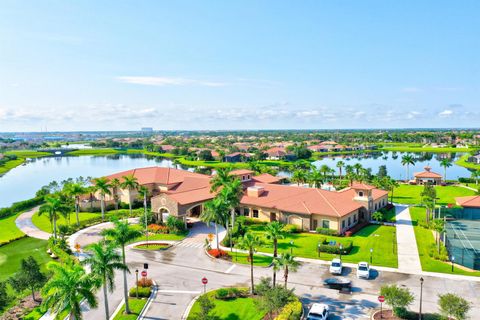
453	262
371	253
341	248
136	278
291	247
421	294
318	248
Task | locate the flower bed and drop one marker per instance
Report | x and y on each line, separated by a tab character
217	253
152	246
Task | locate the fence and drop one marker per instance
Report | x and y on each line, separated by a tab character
463	242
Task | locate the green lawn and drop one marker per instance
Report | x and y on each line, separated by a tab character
9	230
153	246
425	240
409	147
22	155
231	309
410	194
11	255
258	260
92	152
463	162
136	305
380	238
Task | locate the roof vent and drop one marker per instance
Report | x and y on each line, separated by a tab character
255	192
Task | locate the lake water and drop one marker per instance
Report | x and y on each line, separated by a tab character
22	182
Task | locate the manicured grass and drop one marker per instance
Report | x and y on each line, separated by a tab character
11	255
410	194
258	259
380	238
420	148
136	305
153	246
9	230
425	240
463	162
22	155
160	236
92	152
230	309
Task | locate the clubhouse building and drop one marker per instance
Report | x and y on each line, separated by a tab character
182	194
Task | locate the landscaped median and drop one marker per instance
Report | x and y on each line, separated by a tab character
138	298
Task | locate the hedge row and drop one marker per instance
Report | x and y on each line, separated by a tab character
327	248
20	206
143	292
292	311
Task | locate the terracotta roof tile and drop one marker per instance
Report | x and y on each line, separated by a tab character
470	201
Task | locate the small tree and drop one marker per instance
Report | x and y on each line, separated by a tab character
452	305
206	305
377	216
3	295
29	277
273	299
398	298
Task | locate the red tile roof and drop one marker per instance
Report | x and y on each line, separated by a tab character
240	172
427	174
266	178
470	201
160	175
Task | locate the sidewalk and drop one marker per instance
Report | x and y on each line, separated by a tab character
25	224
408	258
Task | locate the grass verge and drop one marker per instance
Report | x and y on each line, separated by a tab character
136	306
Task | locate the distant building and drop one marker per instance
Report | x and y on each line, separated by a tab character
474	159
147	129
236	157
427	176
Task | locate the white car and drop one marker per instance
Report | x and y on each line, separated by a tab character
336	266
318	311
363	270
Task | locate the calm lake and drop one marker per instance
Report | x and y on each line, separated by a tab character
22	182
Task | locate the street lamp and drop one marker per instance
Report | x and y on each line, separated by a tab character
318	248
136	277
453	262
291	247
341	248
371	252
421	294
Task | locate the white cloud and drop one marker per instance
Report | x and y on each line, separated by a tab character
446	113
168	81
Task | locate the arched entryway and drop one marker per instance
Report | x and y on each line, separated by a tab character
195	211
162	215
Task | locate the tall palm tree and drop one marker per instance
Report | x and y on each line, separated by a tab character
103	261
358	168
143	191
476	176
221	178
75	190
231	194
273	232
121	235
130	183
53	206
103	187
408	160
115	184
216	211
340	165
288	263
445	163
250	242
69	285
392	184
324	169
315	178
298	176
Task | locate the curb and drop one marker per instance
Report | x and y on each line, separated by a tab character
149	302
117	310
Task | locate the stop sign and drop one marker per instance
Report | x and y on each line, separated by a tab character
144	273
204	280
381	299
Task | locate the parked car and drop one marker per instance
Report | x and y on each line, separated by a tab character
344	285
363	270
318	311
336	266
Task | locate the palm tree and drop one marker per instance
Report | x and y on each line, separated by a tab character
53	206
130	183
221	178
103	261
325	170
288	263
315	178
476	176
340	165
231	194
67	288
121	235
115	184
250	242
392	184
358	168
408	160
75	190
438	225
445	163
273	232
216	211
298	176
103	187
143	191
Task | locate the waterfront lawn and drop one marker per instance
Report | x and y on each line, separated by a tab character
230	309
136	306
410	194
258	259
380	238
9	230
93	152
11	255
425	240
464	163
21	156
412	147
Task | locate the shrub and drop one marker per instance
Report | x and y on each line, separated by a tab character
230	293
143	292
222	293
433	252
452	305
326	231
20	206
4	299
217	253
396	297
157	228
291	228
292	311
145	282
325	247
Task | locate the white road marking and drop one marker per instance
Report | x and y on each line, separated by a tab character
231	268
179	291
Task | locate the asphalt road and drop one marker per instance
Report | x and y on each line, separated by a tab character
178	272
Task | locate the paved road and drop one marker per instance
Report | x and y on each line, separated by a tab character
25	224
178	272
408	258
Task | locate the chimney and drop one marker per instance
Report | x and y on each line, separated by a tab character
255	192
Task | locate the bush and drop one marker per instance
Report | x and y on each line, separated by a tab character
433	252
221	294
143	292
4	299
20	206
217	253
157	228
230	293
291	228
144	283
292	311
326	231
325	247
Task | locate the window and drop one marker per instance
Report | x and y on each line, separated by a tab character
375	206
255	213
246	212
360	193
243	178
326	224
343	224
315	224
349	220
248	177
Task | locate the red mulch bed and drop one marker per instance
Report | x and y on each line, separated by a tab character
386	315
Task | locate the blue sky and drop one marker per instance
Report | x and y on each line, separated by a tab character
115	65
